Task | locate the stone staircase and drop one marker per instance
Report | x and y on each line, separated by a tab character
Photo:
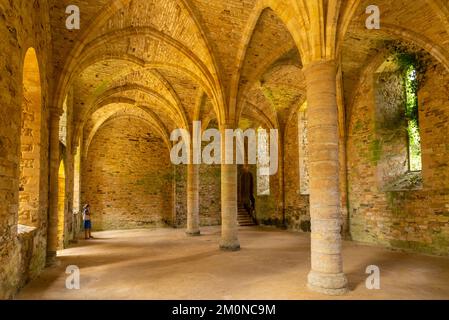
244	219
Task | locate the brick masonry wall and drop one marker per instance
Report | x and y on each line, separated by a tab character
209	192
268	207
145	190
296	205
416	220
180	194
23	24
128	177
210	195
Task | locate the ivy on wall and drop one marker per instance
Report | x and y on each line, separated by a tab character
413	62
412	115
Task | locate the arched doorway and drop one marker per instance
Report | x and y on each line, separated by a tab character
61	205
77	222
30	142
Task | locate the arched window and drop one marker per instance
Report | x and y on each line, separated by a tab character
412	116
77	180
61	205
263	163
303	147
396	149
30	138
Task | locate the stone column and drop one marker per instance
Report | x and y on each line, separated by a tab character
52	226
326	275
281	175
229	225
343	158
193	210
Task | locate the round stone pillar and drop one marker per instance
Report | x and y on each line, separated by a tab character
193	212
229	225
52	225
326	275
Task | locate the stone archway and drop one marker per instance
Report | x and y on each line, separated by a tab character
29	191
61	205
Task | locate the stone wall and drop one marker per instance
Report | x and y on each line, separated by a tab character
296	204
210	195
269	207
389	148
416	219
180	194
23	24
128	177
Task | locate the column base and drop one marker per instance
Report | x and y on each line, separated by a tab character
193	233
50	259
329	284
229	246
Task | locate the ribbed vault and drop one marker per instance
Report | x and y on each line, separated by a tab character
229	61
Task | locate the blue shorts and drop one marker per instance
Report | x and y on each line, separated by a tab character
87	224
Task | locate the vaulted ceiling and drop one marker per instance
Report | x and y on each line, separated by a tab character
174	61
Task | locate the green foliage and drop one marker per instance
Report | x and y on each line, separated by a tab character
358	126
411	88
376	151
412	115
414	146
102	87
154	182
178	176
406	55
268	93
413	63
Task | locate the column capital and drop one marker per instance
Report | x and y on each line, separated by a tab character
55	112
228	125
323	63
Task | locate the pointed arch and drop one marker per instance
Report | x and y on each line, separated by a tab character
30	141
142	112
177	113
292	24
61	204
107	12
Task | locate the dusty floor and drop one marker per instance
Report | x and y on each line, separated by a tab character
273	264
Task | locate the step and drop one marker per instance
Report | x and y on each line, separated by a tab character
246	222
244	219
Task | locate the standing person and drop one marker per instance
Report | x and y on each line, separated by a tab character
87	222
246	190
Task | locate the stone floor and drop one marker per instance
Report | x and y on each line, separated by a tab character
273	264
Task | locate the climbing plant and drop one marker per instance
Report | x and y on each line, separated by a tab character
408	65
413	62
